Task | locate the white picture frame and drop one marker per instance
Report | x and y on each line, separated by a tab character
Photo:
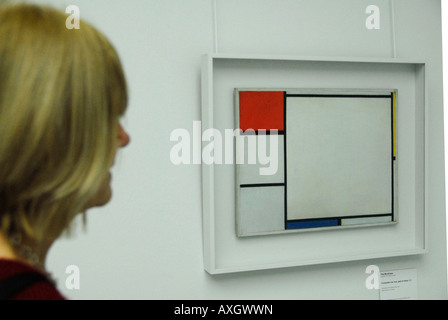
224	251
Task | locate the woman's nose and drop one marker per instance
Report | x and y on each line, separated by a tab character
123	137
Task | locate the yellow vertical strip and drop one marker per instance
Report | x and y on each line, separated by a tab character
394	124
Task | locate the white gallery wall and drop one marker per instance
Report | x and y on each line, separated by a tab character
147	243
445	83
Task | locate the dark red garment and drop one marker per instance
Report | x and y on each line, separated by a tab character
42	290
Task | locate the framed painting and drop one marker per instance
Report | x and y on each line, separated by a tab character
328	163
332	158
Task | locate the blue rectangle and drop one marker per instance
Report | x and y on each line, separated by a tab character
312	224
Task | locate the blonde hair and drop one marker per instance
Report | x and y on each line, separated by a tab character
61	95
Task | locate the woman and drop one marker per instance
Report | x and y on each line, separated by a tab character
62	93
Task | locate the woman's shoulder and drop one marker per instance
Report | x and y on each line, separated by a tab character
20	281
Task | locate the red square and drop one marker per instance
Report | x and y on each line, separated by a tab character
262	110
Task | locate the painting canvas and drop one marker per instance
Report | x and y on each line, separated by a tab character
335	153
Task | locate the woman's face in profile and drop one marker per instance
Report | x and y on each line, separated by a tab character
105	192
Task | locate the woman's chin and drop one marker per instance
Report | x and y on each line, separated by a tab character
103	196
103	199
